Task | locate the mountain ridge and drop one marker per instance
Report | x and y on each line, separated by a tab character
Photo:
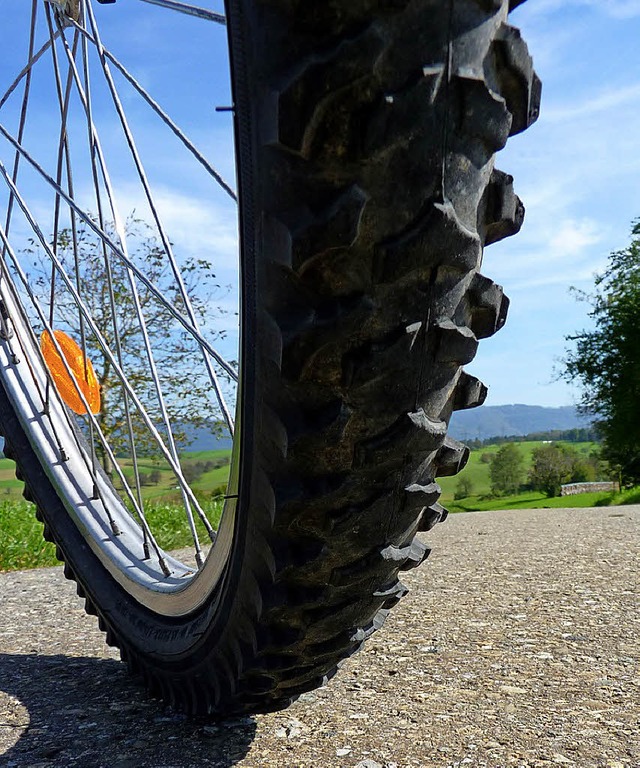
515	419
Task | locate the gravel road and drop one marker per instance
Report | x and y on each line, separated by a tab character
518	645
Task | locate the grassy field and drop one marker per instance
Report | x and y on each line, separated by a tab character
22	545
163	490
477	471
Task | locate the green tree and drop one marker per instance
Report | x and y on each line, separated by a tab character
185	384
556	464
606	359
507	470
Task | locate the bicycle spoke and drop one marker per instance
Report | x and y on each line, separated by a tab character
43	319
163	116
64	160
25	71
190	10
107	264
23	111
95	149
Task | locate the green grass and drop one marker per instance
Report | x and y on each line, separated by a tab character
21	542
170	527
528	500
628	496
22	545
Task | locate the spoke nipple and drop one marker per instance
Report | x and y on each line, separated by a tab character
15	360
64	457
199	560
164	567
226	109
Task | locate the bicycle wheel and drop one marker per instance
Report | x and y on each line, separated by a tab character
365	136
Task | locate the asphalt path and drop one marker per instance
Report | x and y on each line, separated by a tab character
518	645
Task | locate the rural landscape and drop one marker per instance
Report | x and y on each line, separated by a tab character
503	472
264	328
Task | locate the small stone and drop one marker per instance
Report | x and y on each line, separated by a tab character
560	758
295	728
291	729
512	689
343	751
369	764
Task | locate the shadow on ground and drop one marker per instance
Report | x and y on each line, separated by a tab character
87	712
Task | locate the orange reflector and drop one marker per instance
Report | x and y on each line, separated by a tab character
81	368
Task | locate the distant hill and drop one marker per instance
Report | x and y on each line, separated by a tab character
505	420
207	438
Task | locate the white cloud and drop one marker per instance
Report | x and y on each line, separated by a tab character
572	237
602	102
558	250
199	226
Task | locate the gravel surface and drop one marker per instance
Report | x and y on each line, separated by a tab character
517	646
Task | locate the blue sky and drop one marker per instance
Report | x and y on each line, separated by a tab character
576	169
